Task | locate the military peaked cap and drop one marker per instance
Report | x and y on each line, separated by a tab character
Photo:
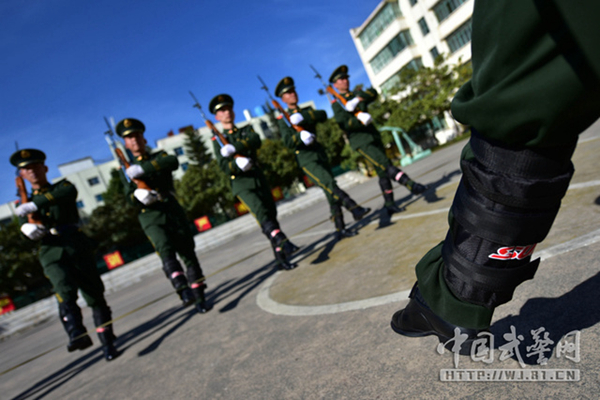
25	157
284	85
128	126
220	101
339	72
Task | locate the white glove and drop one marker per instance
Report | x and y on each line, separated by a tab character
134	171
307	137
145	196
244	163
364	117
228	150
351	104
26	208
296	118
33	231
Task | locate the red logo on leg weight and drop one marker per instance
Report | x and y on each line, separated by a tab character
513	252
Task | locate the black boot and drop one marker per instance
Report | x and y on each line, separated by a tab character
175	274
388	197
403	179
417	320
105	333
198	286
340	227
357	211
72	320
282	247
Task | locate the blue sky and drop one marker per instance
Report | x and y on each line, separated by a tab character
66	64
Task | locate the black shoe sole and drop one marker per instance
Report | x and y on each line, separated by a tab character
80	344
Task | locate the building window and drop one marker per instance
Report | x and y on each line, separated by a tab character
395	79
460	37
80	204
383	19
412	2
93	181
434	52
99	198
178	151
184	166
446	7
395	46
423	26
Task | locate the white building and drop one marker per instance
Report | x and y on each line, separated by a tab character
411	33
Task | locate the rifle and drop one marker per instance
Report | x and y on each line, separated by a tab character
278	106
222	140
109	136
329	89
33	218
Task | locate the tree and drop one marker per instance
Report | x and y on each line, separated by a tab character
195	148
202	188
115	224
331	137
425	93
278	163
20	269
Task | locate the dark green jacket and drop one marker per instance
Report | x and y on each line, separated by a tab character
358	134
57	210
291	138
246	143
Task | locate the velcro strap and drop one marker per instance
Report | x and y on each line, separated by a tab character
500	226
522	161
481	277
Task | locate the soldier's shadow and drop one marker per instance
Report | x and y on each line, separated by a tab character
124	341
573	311
234	290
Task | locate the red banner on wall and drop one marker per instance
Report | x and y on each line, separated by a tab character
113	260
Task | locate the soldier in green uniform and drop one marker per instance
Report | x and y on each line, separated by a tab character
312	158
248	183
535	85
66	254
366	139
161	216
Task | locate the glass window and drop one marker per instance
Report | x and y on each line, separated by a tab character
80	204
387	54
387	15
179	151
423	26
446	7
434	52
184	166
99	198
93	181
394	80
460	37
412	2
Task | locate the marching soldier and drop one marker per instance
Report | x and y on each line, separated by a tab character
366	139
66	254
517	165
237	159
162	218
312	158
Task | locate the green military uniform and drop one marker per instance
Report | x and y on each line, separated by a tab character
67	257
251	187
536	74
164	221
313	160
366	140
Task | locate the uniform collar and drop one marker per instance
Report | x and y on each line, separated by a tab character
232	130
41	190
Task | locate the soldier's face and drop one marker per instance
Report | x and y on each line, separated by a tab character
225	115
135	143
342	84
35	174
290	97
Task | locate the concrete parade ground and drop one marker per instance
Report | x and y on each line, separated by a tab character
322	331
